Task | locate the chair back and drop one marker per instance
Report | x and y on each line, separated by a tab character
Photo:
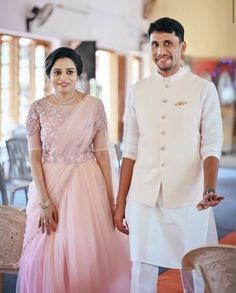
3	187
217	266
12	227
17	149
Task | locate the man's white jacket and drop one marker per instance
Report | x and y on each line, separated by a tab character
171	126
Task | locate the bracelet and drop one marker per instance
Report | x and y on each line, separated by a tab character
112	204
45	204
209	190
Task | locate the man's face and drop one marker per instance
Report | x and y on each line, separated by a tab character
167	51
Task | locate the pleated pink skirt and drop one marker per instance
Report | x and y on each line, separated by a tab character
85	254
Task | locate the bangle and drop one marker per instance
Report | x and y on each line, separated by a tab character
45	204
112	204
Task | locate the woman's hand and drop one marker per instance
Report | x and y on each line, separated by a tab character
48	219
209	200
119	219
113	210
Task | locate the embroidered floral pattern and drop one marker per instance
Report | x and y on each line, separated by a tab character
100	120
46	119
32	121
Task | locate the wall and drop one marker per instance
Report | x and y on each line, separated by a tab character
113	24
208	25
12	14
116	25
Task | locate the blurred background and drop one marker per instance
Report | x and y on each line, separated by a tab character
111	37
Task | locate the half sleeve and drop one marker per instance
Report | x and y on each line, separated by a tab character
100	138
33	129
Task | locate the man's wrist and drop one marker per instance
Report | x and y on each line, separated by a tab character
121	202
209	190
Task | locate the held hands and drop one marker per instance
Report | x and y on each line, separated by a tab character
119	217
113	209
210	199
48	217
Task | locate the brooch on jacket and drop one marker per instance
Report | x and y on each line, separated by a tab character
181	103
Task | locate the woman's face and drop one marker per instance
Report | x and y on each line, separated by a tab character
63	76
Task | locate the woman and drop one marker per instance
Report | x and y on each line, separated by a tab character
70	244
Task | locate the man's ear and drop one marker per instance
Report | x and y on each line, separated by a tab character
183	47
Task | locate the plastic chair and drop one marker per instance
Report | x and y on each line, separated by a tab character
19	170
3	187
12	227
216	265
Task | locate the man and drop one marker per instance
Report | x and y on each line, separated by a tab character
172	139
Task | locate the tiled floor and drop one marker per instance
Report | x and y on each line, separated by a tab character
225	213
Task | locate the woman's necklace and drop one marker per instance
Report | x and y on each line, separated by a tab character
66	102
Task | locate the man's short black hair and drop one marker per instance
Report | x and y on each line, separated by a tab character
167	25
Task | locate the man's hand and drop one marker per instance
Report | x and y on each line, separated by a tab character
119	217
209	200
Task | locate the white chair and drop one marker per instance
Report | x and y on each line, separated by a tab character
19	171
12	227
3	187
217	266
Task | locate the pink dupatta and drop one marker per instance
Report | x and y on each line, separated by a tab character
73	137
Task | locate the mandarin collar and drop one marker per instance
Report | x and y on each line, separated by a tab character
179	74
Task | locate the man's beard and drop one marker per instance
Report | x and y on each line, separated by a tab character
166	68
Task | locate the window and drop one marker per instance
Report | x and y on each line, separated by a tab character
22	79
5	84
107	88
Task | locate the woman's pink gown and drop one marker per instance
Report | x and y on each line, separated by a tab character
85	254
